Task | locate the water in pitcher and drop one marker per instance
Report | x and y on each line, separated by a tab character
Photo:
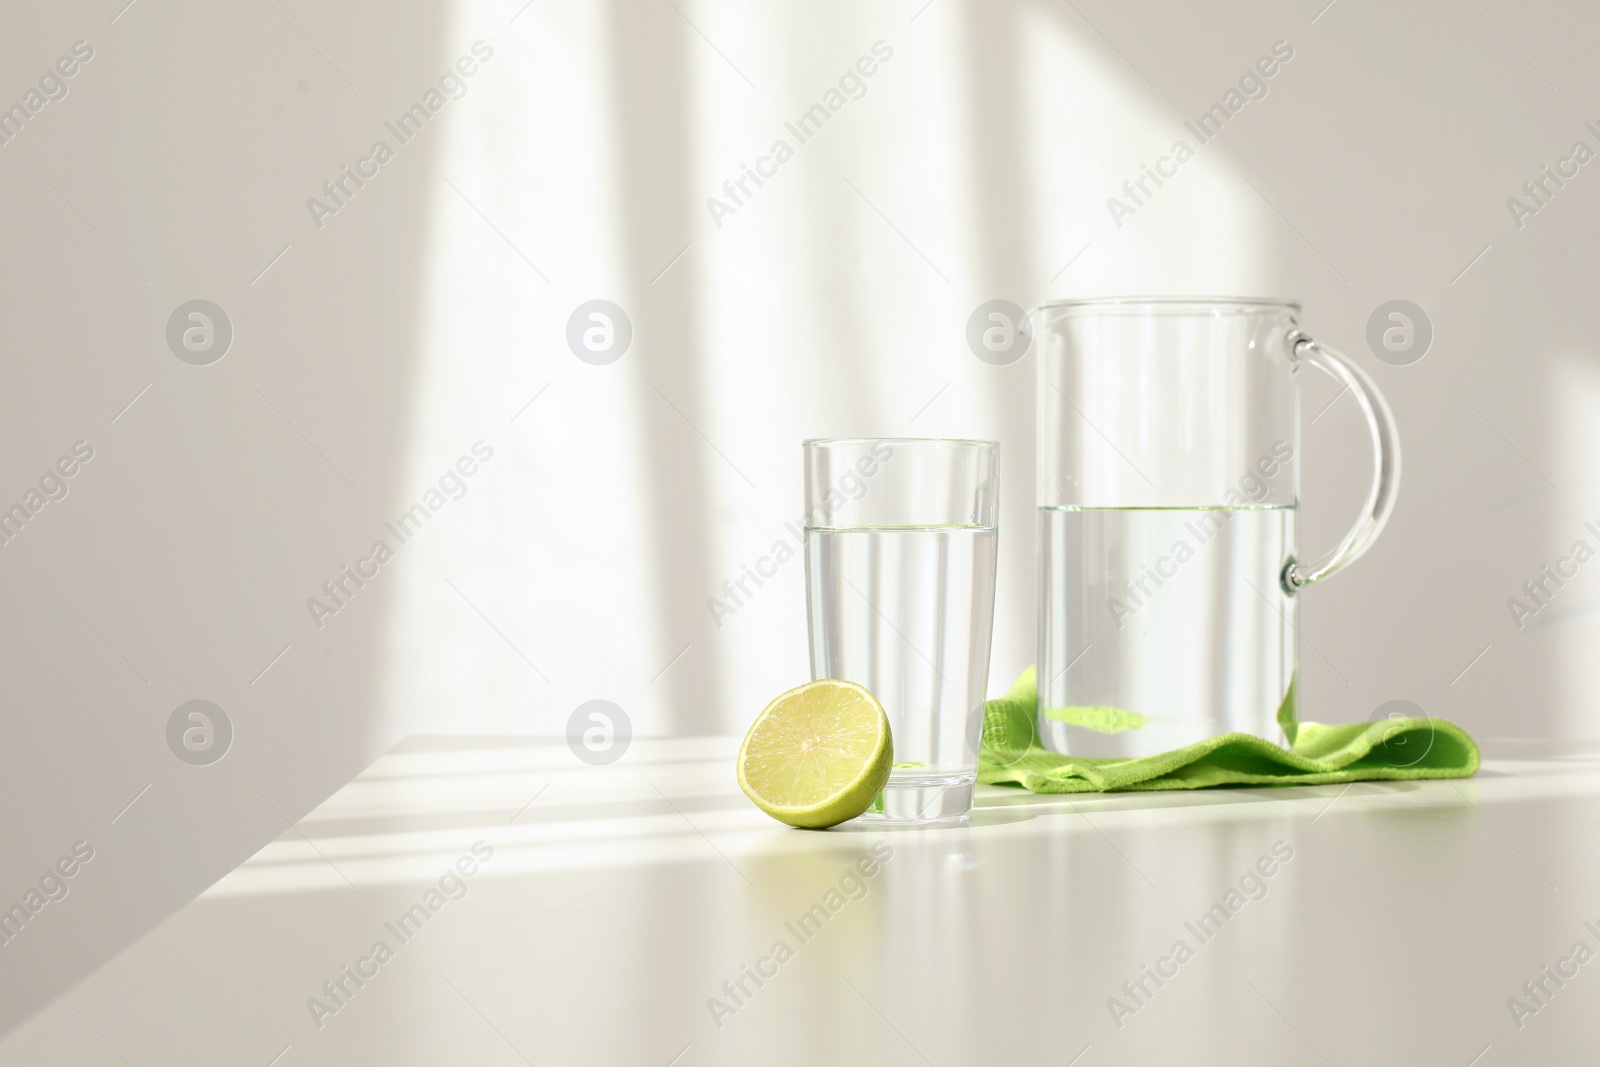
1160	627
907	613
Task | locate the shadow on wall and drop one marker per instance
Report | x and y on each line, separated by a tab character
222	493
654	132
1007	262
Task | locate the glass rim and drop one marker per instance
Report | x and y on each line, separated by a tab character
971	441
1158	302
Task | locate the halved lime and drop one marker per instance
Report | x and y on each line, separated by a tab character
817	755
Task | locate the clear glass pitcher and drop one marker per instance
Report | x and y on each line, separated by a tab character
1169	448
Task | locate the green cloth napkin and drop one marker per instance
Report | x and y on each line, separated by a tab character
1351	752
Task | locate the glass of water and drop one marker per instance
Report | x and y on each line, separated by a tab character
901	542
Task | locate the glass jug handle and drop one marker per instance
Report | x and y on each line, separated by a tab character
1385	462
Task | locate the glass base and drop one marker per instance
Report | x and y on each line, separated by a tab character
923	799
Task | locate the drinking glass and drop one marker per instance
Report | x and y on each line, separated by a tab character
1169	451
900	566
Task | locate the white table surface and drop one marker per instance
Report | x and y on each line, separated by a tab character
618	900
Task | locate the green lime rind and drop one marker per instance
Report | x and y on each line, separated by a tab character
818	755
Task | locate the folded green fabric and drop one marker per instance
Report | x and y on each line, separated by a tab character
1351	752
